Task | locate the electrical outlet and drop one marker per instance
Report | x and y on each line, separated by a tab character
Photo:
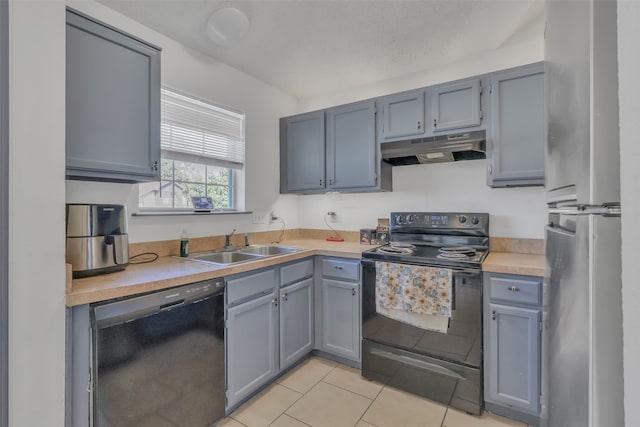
259	217
272	217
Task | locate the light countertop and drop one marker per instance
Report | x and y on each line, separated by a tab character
169	271
514	263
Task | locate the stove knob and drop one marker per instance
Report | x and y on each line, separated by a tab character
399	219
462	219
474	220
411	218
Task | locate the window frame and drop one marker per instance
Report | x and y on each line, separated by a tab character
233	167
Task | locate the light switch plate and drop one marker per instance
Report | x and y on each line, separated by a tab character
259	217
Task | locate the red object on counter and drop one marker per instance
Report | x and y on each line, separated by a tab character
335	239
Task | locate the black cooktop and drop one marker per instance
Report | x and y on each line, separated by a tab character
425	255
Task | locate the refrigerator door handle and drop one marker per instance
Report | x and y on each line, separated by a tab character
605	210
554	228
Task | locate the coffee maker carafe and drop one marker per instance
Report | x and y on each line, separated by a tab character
97	239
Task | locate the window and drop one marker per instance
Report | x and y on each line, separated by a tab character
202	147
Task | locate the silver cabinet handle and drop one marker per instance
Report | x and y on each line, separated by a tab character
330	182
338	267
514	289
353	291
435	124
321	183
284	296
419	125
493	315
275	302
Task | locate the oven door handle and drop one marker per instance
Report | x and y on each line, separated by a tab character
368	263
418	364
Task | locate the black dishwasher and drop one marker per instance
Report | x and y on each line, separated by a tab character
158	359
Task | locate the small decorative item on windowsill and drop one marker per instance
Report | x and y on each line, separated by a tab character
202	204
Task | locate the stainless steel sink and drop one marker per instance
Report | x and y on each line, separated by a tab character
244	254
224	257
268	250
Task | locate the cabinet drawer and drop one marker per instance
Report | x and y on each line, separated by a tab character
295	272
348	270
518	290
244	287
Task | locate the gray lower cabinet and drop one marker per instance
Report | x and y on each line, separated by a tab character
296	321
340	287
112	103
302	153
516	146
456	106
269	325
403	115
512	334
252	346
251	333
351	147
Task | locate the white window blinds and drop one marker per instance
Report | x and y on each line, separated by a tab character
195	131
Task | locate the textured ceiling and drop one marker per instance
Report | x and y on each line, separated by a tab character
313	47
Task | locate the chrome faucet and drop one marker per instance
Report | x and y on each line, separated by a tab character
227	239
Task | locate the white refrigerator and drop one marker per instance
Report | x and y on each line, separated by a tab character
582	371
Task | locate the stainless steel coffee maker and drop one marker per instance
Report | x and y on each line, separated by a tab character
97	239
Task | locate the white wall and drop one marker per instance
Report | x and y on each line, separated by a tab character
192	72
629	70
36	213
459	186
515	212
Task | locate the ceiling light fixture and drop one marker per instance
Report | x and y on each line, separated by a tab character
227	26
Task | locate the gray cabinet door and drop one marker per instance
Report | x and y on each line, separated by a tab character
252	334
296	321
518	128
512	358
351	146
403	115
341	318
456	106
302	149
112	103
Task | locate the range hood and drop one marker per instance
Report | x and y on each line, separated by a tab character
436	149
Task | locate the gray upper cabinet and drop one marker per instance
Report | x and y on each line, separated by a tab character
112	103
512	342
516	151
403	115
296	321
302	153
456	106
351	146
352	157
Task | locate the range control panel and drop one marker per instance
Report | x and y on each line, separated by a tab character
437	220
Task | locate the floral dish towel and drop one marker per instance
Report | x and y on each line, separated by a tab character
414	288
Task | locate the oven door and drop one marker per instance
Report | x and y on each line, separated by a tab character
460	343
442	366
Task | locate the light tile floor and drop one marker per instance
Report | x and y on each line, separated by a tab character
322	393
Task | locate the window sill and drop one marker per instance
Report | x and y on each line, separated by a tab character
172	213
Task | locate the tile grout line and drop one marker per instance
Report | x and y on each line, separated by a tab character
369	407
290	416
351	391
444	417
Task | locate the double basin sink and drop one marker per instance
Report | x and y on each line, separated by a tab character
243	254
